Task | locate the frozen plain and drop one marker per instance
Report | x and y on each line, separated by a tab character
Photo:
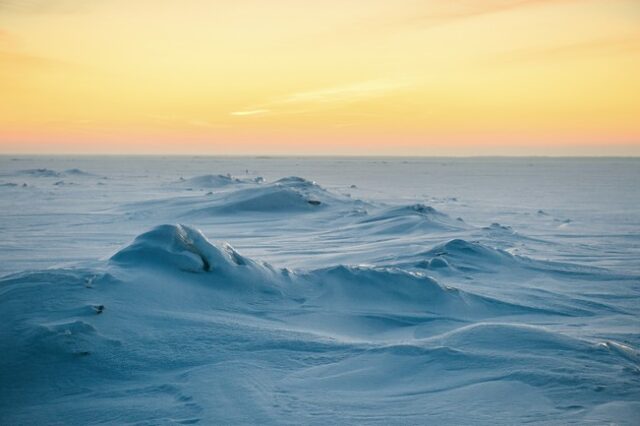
255	290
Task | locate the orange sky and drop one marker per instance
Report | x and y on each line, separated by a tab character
363	77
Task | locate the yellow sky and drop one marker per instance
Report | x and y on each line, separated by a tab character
405	77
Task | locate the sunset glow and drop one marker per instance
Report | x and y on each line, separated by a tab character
406	77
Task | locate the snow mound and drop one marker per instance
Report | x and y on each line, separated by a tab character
297	182
209	181
396	291
412	218
474	256
287	195
470	255
181	247
247	197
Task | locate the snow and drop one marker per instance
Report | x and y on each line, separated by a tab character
319	291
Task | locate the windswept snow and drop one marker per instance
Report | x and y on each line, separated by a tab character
351	302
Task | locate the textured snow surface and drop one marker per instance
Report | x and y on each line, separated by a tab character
319	291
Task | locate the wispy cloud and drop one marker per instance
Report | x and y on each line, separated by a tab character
346	93
250	112
312	100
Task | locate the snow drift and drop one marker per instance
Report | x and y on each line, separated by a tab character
175	317
332	310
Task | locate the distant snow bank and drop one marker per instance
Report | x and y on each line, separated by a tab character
49	173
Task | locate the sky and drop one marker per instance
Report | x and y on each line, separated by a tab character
331	77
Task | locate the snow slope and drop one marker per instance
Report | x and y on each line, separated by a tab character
356	310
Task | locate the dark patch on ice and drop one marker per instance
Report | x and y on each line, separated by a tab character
423	209
496	227
40	172
77	172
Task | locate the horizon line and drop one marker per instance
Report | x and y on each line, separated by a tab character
258	155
